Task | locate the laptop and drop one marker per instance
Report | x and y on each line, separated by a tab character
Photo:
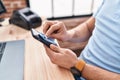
12	60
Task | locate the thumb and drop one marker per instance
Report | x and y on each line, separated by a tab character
54	48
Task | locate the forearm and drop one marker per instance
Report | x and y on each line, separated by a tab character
95	73
81	32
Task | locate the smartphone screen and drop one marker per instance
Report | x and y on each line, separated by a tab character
43	38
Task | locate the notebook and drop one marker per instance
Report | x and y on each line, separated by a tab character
12	60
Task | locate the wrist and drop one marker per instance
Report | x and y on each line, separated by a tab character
78	67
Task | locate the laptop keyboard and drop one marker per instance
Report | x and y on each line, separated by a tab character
2	47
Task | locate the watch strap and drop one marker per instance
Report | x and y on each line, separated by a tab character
75	71
80	65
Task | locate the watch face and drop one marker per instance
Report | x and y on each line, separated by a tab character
75	71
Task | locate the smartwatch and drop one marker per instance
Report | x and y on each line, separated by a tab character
77	69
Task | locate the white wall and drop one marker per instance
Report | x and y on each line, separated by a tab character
97	3
63	7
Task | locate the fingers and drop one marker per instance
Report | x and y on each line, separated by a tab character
52	51
53	30
62	57
49	52
53	55
47	24
55	48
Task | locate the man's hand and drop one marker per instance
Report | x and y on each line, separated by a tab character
55	29
62	57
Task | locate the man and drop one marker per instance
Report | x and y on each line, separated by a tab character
100	60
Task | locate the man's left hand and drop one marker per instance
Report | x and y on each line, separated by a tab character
63	57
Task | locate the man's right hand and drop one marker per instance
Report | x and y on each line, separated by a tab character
55	29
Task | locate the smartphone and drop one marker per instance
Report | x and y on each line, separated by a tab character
43	38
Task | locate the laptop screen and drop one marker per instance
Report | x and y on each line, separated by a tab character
12	60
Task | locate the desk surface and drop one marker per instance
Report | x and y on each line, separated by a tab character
37	64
